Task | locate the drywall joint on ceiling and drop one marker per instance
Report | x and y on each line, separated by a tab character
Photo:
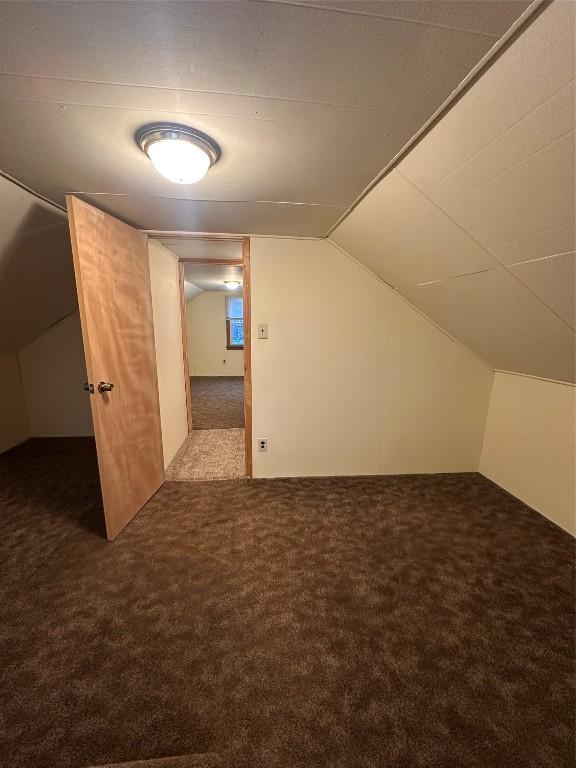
207	199
538	378
356	11
489	58
33	192
486	249
188	235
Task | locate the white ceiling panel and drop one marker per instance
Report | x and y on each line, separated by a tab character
390	207
308	104
548	242
83	93
214	216
479	16
203	249
434	249
241	48
86	149
405	239
534	195
542	127
535	67
554	281
212	277
498	318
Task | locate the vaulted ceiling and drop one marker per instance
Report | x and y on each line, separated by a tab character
308	100
475	226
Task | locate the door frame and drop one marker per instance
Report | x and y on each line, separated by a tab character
246	295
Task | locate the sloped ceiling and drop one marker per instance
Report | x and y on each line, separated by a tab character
190	290
37	285
475	226
308	100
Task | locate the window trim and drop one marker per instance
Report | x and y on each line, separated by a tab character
228	337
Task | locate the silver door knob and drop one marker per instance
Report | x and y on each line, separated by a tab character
105	386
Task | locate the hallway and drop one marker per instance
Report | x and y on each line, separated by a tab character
214	450
217	402
209	454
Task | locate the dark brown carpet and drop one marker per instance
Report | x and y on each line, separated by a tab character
217	402
370	622
186	761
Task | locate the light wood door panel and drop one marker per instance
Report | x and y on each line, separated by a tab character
113	281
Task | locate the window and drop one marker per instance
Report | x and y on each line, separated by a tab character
234	322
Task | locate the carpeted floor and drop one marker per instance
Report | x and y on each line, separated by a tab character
184	761
209	454
217	402
368	622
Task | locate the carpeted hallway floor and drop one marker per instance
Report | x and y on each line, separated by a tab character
209	454
217	402
367	622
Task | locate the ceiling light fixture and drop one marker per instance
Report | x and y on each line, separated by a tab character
232	285
180	154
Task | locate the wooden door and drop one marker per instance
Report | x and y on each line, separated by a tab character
113	282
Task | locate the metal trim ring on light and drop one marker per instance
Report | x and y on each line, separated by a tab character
149	134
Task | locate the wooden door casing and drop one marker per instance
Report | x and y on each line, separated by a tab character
246	283
246	280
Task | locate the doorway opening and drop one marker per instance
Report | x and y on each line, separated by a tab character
215	296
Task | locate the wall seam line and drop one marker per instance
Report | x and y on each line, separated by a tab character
484	248
409	304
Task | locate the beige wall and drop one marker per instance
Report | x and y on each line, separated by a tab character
14	426
165	286
206	318
529	446
352	380
54	372
53	367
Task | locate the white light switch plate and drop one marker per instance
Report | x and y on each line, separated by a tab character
262	330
